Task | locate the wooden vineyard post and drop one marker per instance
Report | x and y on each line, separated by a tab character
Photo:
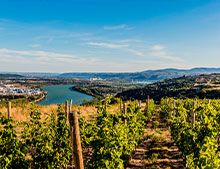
139	103
67	110
70	106
148	103
174	107
9	109
125	112
193	113
174	103
124	108
120	106
71	122
209	102
77	157
105	105
76	139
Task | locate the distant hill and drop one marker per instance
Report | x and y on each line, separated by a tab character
147	75
9	76
39	75
200	86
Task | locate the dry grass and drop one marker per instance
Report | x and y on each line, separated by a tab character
156	150
19	113
213	88
22	113
159	134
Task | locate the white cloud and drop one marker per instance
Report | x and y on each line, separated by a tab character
36	60
108	45
136	52
46	38
130	40
39	56
158	51
161	52
32	60
60	35
122	45
158	47
118	27
35	45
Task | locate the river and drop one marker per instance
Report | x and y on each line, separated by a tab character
58	94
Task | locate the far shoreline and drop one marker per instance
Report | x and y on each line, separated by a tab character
70	88
44	95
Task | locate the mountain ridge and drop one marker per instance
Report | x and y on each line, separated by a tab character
146	75
197	86
159	74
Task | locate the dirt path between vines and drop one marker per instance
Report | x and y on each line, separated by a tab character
156	151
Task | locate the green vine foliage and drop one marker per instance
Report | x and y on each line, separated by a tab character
198	140
88	131
45	143
39	141
150	110
48	144
11	148
42	144
112	136
62	141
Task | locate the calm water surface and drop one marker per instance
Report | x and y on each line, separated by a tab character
60	93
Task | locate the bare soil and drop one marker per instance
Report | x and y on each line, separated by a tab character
156	151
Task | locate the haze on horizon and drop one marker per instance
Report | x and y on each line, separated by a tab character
108	35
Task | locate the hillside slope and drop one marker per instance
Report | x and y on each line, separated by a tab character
153	75
10	76
201	86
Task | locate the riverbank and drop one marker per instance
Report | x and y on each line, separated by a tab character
58	94
104	88
86	91
31	98
44	95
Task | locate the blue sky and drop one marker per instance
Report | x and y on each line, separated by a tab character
108	35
